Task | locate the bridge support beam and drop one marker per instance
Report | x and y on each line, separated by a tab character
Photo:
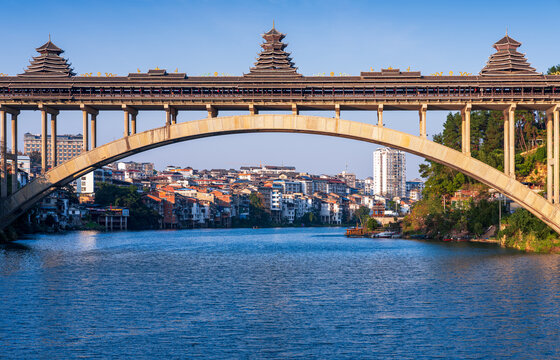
380	115
422	113
15	153
549	157
337	111
212	111
466	129
54	141
295	110
3	153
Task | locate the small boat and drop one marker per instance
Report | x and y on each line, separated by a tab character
355	232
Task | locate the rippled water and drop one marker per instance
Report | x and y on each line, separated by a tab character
273	293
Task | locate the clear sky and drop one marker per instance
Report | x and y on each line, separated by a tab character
200	37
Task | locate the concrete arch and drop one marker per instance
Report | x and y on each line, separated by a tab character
118	149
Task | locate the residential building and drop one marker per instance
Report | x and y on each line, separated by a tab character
67	146
389	168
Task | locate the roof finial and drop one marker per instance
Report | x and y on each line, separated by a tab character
506	31
273	23
49	36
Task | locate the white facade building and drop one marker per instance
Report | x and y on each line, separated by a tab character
89	183
389	168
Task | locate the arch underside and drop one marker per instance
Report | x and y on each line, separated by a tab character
24	198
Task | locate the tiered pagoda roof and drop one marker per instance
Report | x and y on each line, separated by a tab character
273	61
49	62
507	61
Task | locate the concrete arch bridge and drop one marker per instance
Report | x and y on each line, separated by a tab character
21	200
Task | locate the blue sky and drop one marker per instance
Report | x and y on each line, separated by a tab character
199	37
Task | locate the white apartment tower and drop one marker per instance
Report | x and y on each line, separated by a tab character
389	168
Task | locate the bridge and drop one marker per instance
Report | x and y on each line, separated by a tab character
507	83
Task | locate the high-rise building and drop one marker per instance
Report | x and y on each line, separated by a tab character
67	146
389	168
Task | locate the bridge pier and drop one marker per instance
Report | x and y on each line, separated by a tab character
380	115
295	110
337	111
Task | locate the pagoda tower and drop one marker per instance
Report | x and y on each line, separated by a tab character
273	61
49	62
507	60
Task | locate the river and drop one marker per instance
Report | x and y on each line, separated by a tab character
273	293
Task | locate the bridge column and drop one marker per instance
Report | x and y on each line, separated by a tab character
212	111
53	141
511	141
422	113
133	123
295	110
380	115
556	146
85	144
253	110
93	131
88	110
549	157
43	141
337	111
127	112
170	115
15	153
126	124
506	142
3	153
466	127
